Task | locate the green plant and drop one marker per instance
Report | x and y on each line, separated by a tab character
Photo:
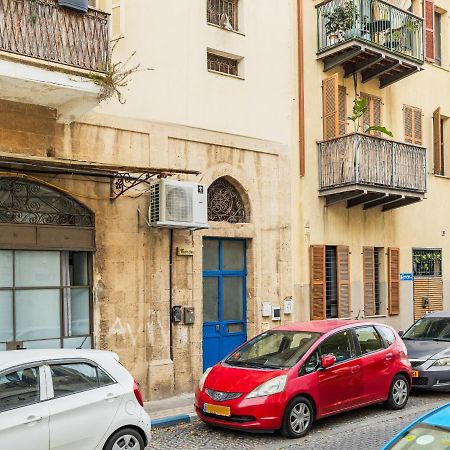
341	19
360	106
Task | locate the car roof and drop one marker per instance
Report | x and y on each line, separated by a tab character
438	314
322	326
440	417
12	358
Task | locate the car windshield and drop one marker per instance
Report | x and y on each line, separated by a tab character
423	437
273	350
437	328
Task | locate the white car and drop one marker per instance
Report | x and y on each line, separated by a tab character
69	400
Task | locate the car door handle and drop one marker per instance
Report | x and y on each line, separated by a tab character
111	396
355	369
388	357
32	419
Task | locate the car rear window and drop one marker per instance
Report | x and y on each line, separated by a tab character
387	334
369	340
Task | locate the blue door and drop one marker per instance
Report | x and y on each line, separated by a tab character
224	298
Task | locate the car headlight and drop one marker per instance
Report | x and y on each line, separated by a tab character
270	387
444	362
203	378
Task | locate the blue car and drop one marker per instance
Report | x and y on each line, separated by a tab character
429	432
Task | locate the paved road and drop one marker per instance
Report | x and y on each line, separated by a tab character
367	428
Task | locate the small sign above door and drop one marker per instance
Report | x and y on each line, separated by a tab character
406	277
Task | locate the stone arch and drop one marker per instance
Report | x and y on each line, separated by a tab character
24	201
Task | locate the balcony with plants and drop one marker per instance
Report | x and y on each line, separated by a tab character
51	53
371	37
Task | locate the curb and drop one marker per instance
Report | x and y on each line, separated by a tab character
174	420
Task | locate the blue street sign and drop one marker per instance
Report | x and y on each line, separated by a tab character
406	276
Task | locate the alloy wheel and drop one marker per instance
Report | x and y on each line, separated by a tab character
300	418
400	392
126	442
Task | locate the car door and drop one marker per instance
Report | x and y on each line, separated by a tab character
24	415
84	402
376	361
340	386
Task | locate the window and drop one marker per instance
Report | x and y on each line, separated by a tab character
372	275
19	388
330	282
393	281
372	116
340	345
223	13
427	263
77	377
440	137
223	64
334	108
45	299
437	39
412	125
312	363
369	340
92	3
387	334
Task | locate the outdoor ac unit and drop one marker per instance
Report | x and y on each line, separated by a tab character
178	204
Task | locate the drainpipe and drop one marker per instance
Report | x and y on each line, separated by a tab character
301	97
171	292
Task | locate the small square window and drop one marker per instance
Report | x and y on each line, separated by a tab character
223	13
223	64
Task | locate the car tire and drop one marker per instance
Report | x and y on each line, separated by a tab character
125	438
398	393
298	418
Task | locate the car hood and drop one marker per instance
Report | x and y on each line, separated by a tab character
426	349
238	379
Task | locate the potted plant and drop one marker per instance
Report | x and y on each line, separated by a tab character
341	23
360	106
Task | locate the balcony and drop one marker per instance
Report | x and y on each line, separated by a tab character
371	37
47	54
365	170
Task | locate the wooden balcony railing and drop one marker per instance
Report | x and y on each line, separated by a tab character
373	21
42	29
360	159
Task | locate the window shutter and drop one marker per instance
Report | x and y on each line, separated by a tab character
317	287
437	141
366	119
343	281
417	125
408	124
342	110
330	94
428	14
375	113
369	281
115	19
394	281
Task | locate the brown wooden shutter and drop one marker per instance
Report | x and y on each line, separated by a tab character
408	124
437	142
375	106
369	280
343	280
317	287
417	125
428	14
342	110
394	281
330	107
366	119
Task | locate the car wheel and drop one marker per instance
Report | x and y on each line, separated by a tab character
125	439
398	393
298	418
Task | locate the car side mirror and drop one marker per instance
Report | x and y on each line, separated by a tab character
327	361
401	333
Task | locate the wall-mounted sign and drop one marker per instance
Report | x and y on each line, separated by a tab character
185	251
287	306
406	277
266	309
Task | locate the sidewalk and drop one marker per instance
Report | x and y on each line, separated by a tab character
171	411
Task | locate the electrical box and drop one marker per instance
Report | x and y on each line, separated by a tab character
189	315
276	313
176	314
287	309
266	309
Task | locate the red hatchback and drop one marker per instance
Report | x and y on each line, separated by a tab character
290	376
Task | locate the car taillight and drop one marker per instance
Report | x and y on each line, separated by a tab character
138	393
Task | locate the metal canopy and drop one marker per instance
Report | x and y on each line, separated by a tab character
122	178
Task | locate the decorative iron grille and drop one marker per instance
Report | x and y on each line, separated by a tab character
427	263
224	203
25	202
223	64
42	29
220	10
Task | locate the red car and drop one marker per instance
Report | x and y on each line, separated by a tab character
286	378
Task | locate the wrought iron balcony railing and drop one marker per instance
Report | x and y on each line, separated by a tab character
42	29
361	159
370	21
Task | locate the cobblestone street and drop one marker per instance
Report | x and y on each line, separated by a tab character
368	428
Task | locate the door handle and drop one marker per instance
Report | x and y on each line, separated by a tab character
32	419
218	328
388	357
355	369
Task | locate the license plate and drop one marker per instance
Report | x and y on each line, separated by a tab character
415	374
217	409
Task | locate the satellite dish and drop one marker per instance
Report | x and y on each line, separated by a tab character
225	22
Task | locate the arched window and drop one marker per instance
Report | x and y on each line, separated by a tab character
224	203
28	202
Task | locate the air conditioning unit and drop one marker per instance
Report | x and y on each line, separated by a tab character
178	204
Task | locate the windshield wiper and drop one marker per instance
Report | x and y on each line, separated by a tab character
271	366
441	340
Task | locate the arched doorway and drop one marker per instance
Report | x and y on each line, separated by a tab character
46	242
224	276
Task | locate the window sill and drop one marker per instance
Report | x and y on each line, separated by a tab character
440	67
379	316
226	74
441	176
224	29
